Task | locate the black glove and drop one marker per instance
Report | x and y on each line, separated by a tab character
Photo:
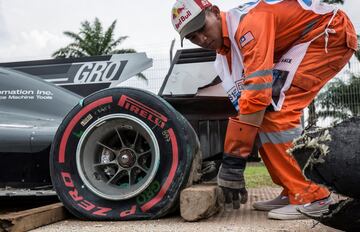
231	180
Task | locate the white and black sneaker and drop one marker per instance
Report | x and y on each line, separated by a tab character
291	212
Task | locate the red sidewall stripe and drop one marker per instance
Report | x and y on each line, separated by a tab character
75	120
174	165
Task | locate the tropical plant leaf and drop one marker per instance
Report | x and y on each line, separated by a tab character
122	51
93	40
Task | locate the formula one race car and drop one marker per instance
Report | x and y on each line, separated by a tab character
123	153
119	153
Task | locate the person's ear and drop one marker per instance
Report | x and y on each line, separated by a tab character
216	11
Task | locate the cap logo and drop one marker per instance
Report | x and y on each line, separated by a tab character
180	15
184	11
176	12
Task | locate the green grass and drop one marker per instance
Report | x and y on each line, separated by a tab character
256	176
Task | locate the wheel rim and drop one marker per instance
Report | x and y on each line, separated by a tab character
117	157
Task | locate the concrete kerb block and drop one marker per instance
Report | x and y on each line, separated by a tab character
200	202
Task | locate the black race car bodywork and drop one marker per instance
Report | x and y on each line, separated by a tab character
35	96
40	108
38	94
30	113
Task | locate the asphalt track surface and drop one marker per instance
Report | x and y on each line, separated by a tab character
245	219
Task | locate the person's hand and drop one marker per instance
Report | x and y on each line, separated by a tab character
234	197
231	181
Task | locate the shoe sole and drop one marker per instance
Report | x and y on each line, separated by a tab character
272	215
267	207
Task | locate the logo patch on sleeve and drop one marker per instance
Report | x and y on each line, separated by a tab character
245	39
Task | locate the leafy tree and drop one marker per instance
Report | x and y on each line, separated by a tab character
357	53
341	99
92	40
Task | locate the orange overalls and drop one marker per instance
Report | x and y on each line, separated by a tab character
269	31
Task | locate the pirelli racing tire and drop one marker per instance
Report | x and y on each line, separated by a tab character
122	154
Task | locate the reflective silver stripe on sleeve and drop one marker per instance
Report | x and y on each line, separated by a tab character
281	136
260	73
258	86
